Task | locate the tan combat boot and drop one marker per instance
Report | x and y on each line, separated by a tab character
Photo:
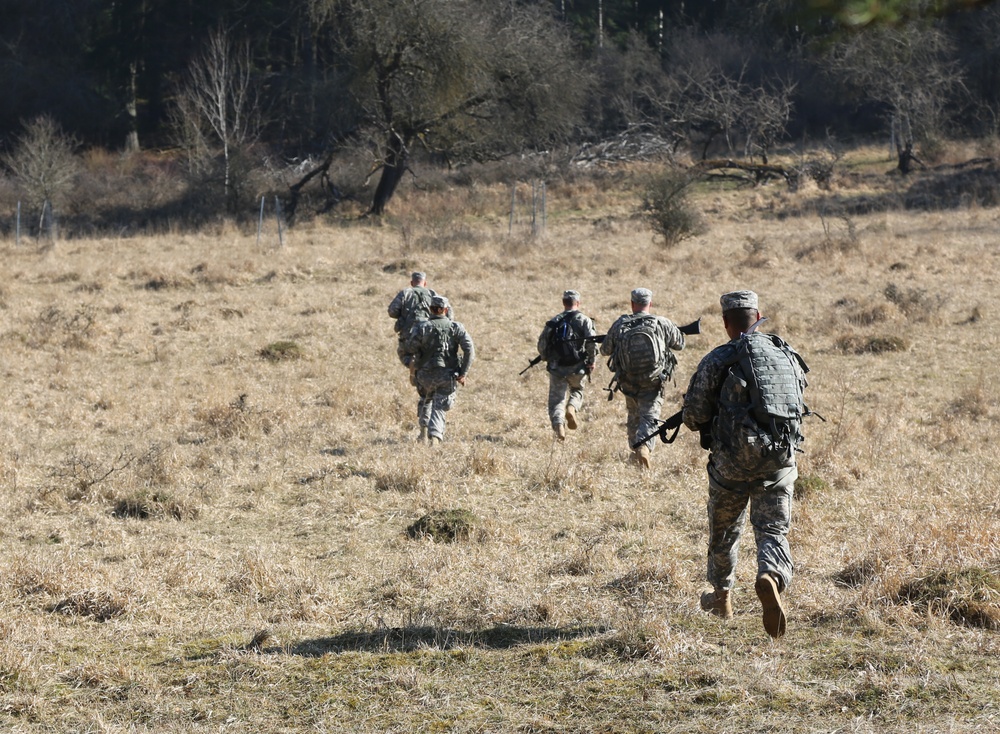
717	602
560	432
770	599
571	417
435	441
642	457
423	434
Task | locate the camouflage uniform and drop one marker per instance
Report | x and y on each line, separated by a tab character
566	381
408	307
643	400
435	344
732	487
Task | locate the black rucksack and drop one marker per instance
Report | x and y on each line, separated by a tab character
565	345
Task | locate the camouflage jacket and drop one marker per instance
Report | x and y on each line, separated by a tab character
436	344
702	404
583	326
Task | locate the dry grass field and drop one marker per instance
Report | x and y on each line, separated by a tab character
208	468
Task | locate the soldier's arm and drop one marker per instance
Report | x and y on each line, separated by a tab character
414	341
543	340
468	351
702	396
396	307
674	336
589	347
608	345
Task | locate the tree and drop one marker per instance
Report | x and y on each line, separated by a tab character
909	72
44	163
217	107
462	78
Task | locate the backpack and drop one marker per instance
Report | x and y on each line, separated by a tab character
640	355
761	403
420	310
565	345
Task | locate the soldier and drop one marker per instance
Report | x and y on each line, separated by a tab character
410	306
640	345
433	347
569	360
752	458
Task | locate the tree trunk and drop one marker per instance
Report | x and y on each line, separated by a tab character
393	168
131	111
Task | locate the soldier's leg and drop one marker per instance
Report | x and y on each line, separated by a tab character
443	398
424	404
558	388
726	513
575	385
632	420
649	404
771	517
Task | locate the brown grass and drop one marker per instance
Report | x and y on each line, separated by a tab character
197	538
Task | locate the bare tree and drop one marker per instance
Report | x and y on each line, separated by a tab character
710	90
217	112
44	163
906	69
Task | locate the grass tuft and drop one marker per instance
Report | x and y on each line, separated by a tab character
809	485
280	351
96	604
967	596
856	344
145	505
444	526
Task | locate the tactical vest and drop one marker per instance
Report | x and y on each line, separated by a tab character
437	346
761	404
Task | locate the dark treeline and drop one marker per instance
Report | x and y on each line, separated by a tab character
476	79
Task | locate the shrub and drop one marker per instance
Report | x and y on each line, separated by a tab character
666	204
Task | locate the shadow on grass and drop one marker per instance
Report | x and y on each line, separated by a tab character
946	188
409	639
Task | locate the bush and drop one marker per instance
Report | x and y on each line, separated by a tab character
666	204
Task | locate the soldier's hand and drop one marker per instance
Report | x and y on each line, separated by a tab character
460	380
589	368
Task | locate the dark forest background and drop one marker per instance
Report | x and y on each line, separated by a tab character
238	98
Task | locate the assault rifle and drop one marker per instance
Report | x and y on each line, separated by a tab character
689	329
531	364
673	423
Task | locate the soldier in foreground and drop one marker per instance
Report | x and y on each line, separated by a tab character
433	347
746	400
568	347
639	345
409	307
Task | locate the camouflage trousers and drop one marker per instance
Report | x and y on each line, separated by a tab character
404	357
564	390
643	411
436	388
770	504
